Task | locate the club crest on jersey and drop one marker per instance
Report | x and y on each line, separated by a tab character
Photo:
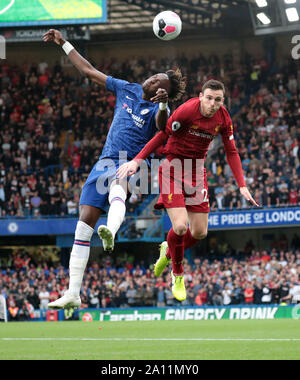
145	111
217	129
175	126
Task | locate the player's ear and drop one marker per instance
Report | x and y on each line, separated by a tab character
200	95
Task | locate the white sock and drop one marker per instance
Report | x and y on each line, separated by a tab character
79	256
117	209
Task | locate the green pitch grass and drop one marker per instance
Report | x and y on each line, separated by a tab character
155	340
37	10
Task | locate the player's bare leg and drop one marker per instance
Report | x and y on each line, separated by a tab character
198	226
79	257
116	214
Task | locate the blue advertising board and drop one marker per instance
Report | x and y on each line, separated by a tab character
56	226
266	218
244	219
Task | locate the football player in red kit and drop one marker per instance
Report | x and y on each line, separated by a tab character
182	176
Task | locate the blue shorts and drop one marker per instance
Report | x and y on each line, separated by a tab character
95	191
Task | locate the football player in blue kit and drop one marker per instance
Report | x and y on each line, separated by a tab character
140	111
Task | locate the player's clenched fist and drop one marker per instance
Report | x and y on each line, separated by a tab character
54	35
160	96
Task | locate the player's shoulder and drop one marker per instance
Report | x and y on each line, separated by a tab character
224	111
189	106
193	102
113	83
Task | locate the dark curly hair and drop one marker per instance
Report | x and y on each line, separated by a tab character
178	84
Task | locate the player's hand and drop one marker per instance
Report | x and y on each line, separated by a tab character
246	194
127	169
55	36
161	96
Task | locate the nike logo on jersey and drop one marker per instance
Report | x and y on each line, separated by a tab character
128	97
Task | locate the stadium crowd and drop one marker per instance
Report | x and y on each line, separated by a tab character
54	126
259	277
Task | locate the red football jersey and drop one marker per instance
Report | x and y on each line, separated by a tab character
191	133
188	134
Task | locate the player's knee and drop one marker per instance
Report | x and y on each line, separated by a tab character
180	228
89	215
199	235
117	192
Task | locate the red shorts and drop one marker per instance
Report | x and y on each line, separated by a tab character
183	183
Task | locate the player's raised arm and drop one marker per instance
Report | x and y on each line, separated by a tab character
78	61
173	89
162	115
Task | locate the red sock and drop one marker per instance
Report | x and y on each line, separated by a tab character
189	241
176	251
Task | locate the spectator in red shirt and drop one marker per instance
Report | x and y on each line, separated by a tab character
111	99
32	181
43	80
18	261
265	257
293	197
201	297
76	158
15	116
249	293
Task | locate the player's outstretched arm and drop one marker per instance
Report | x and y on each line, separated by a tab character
162	115
131	167
78	61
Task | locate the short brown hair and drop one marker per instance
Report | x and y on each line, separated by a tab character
214	85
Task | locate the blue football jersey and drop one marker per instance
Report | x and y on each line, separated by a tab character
133	124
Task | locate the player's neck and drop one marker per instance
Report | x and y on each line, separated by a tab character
200	109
